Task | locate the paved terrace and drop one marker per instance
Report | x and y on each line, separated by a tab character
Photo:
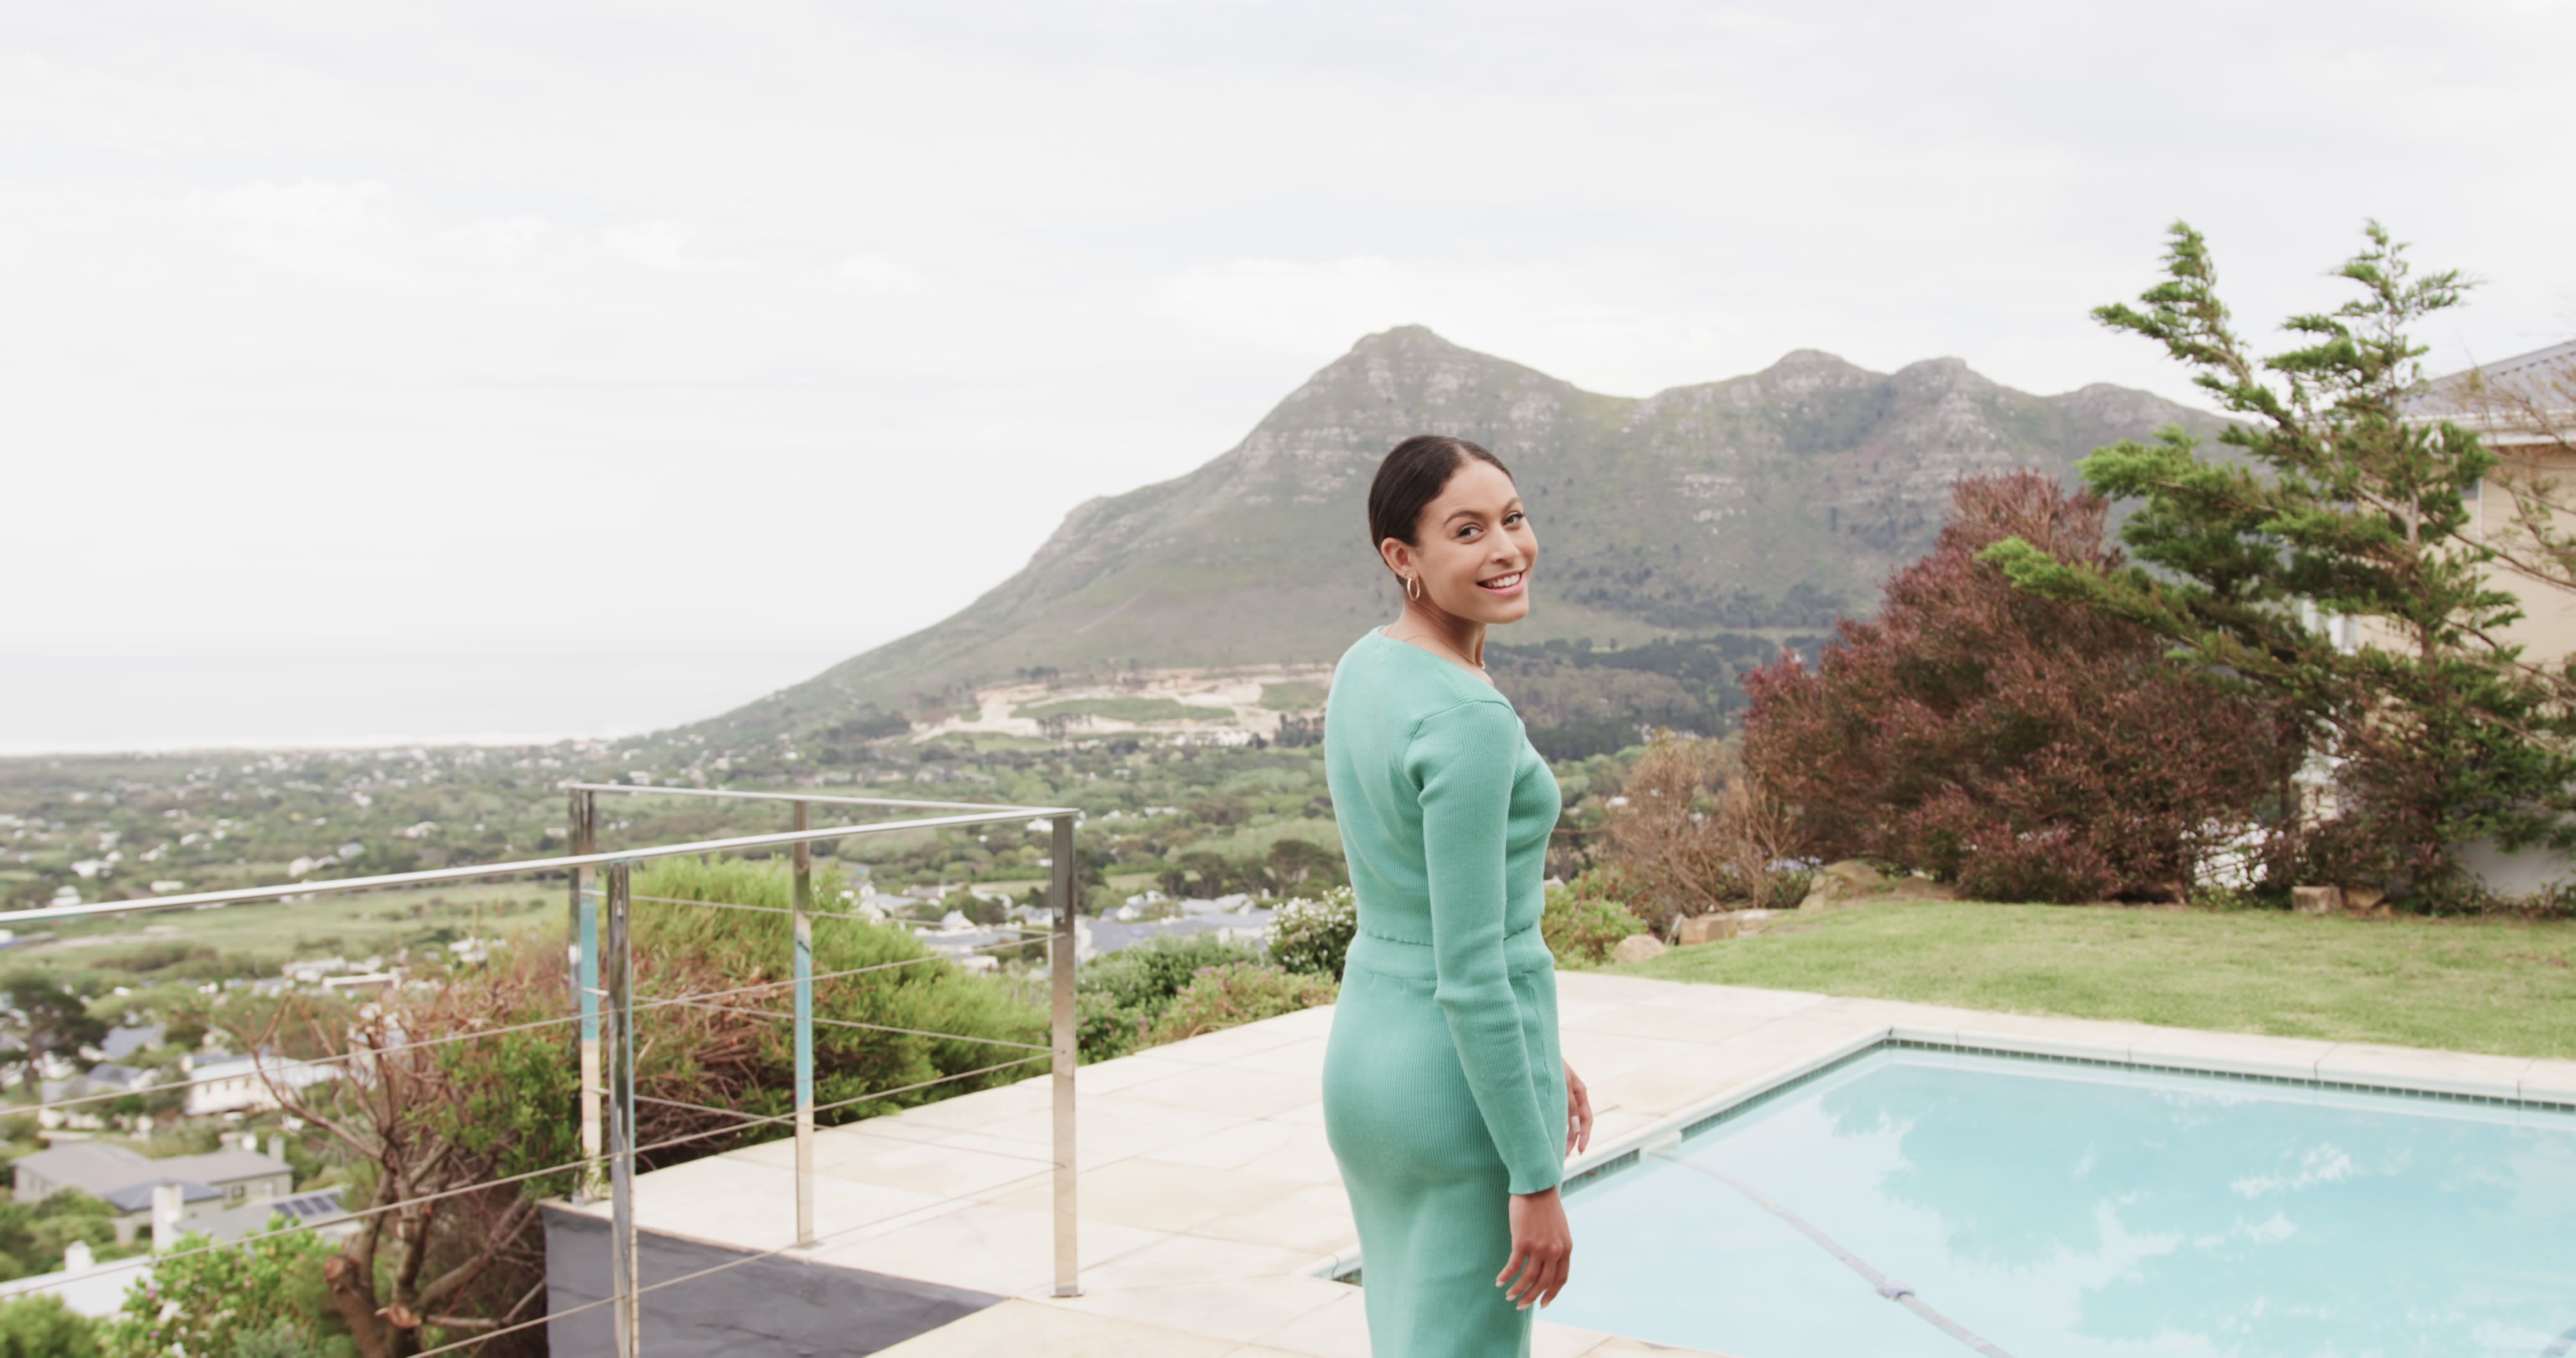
1210	1204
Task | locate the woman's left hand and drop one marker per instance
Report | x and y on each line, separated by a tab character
1578	1113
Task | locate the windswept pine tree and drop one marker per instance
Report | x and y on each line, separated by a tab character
2347	506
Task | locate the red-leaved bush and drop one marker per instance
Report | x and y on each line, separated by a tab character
2022	748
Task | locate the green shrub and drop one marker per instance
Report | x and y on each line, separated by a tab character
1239	992
1313	934
1119	998
32	1235
286	1339
40	1326
207	1302
1581	930
1789	886
682	949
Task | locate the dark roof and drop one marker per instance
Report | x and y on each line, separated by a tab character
2545	377
138	1197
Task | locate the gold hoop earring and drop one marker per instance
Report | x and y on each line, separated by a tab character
1412	587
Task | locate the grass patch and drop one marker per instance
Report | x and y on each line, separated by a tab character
2501	986
351	925
1296	695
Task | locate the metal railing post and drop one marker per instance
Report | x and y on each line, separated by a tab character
1060	964
804	917
622	1272
584	837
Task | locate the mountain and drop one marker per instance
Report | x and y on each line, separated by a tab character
1768	504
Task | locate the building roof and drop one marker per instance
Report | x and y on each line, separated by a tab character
303	1209
104	1171
2544	377
138	1197
124	1042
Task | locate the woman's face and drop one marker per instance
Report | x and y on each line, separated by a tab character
1474	531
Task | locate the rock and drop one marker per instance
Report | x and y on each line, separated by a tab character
1637	948
1857	877
2367	901
1700	929
2316	900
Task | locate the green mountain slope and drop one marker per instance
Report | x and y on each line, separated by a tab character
1766	504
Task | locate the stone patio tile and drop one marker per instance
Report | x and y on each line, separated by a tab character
1336	1329
2417	1068
1669	1021
925	1167
2238	1053
979	1246
1737	999
1811	1032
1194	1259
1315	1221
1108	1077
2550	1081
1228	1044
1551	1340
1303	1058
1106	1129
982	1107
1580	986
1232	1090
1611	1122
1157	1195
1598	1056
1917	1022
1020	1329
1309	1114
1655	1094
1306	1157
1311	1022
1238	1146
1008	1148
1233	1309
2049	1036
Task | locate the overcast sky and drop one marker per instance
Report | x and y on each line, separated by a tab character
470	369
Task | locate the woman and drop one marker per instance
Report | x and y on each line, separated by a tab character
1445	1098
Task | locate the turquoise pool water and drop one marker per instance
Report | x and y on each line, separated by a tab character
2055	1210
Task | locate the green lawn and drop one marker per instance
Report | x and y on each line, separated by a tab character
2490	986
351	925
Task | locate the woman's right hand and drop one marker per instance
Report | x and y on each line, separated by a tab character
1542	1249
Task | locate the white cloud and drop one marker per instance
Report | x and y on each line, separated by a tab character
876	273
654	245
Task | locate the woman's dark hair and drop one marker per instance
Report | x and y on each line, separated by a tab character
1410	479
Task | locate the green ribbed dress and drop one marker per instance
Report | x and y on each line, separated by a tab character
1444	1090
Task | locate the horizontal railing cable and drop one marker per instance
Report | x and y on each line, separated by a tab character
521	868
870	1027
811	913
637	790
821	976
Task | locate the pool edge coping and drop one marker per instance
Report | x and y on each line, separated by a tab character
1748	1094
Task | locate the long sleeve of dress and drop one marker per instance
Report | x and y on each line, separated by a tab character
1462	758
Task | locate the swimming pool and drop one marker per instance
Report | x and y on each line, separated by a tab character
2055	1209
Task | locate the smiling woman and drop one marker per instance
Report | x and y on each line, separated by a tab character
1447	1103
